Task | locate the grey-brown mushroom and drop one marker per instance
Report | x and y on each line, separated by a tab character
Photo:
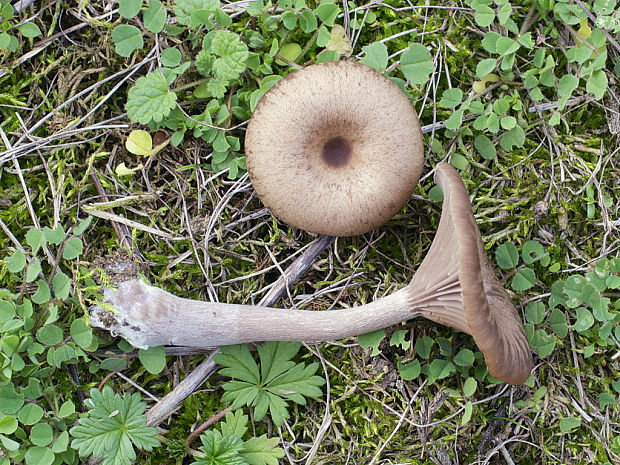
455	286
334	148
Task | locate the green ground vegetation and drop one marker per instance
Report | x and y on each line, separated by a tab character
122	127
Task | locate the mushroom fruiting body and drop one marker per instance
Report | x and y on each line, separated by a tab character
455	286
334	148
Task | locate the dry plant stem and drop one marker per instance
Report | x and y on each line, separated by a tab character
201	373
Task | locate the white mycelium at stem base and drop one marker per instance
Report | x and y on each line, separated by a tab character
455	286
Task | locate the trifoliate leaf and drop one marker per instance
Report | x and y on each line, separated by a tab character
231	53
139	142
149	99
129	8
220	449
597	84
372	339
513	138
185	8
376	56
451	98
114	426
416	64
35	239
73	248
485	147
155	17
269	387
171	57
16	262
127	38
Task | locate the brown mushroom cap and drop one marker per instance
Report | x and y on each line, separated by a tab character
334	148
456	286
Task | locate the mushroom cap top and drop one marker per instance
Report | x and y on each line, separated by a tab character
491	317
334	148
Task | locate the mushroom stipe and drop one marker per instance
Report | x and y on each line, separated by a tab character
455	286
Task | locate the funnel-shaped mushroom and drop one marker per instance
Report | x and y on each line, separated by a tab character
454	286
334	148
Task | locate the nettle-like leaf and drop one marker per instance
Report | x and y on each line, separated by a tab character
416	64
270	386
150	99
231	55
113	427
185	8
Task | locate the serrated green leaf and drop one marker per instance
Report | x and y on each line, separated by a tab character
235	423
113	427
376	56
262	451
149	99
220	449
127	38
232	55
278	378
416	64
